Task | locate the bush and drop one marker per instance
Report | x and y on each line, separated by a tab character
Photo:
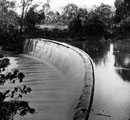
10	103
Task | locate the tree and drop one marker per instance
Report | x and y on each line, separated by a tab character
120	10
122	16
69	13
50	16
25	6
32	18
46	6
95	27
82	13
98	21
76	25
8	16
104	13
57	16
8	22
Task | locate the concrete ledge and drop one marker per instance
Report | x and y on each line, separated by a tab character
75	64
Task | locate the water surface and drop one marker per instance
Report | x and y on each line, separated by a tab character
112	87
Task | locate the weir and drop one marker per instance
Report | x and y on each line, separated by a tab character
76	67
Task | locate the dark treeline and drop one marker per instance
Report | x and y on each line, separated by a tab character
73	22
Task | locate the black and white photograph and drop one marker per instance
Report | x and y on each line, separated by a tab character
64	59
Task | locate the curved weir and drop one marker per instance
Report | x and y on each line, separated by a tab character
61	78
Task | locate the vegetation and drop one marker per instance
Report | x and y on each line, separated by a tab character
10	103
80	23
122	17
73	24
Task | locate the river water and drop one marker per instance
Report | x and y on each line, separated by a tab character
52	95
112	82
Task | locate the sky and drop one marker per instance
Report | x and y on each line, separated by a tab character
81	3
56	5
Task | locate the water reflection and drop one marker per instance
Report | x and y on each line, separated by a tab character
124	73
112	92
97	50
122	59
111	55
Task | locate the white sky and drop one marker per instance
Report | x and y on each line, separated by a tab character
60	3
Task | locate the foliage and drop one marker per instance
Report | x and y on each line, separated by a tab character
76	25
96	22
46	6
10	105
105	14
31	18
8	19
122	16
9	109
100	18
82	13
50	16
121	10
24	6
95	27
41	16
69	13
8	23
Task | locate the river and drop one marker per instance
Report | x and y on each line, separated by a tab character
112	82
52	95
